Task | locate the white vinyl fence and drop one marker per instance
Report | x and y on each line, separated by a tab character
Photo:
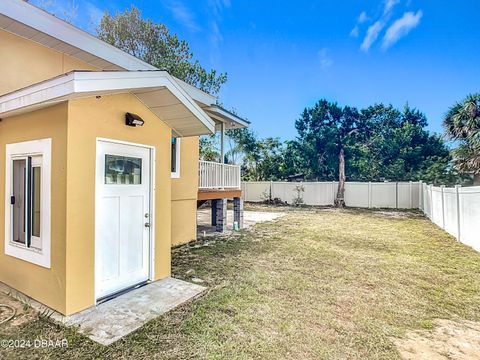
456	210
402	195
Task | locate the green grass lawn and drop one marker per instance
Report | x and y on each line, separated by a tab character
317	283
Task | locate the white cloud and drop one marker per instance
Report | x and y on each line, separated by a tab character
362	17
372	35
95	14
325	58
374	30
360	20
389	5
215	10
183	15
355	31
218	5
401	27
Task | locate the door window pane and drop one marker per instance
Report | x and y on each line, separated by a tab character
36	200
123	170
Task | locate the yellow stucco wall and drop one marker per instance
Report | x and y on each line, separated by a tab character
105	117
25	62
184	194
45	285
68	286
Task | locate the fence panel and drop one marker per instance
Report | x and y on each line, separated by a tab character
384	195
456	210
450	213
255	191
357	194
469	204
319	193
436	205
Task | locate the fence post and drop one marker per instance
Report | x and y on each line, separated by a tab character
396	195
442	187
271	190
420	195
333	192
457	198
410	194
369	194
431	201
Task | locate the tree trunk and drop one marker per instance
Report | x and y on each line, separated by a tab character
476	179
340	199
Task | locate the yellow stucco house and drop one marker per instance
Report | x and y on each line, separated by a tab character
99	163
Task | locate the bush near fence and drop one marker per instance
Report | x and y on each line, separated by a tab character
456	210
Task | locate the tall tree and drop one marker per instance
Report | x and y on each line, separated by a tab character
462	124
377	143
397	147
325	132
156	45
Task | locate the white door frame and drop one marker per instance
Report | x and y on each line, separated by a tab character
152	189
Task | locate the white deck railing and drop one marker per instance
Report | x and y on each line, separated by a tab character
213	175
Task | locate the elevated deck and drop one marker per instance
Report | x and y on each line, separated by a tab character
211	194
218	182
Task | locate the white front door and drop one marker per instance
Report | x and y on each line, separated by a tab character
122	218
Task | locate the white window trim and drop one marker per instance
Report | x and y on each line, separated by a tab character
36	147
176	174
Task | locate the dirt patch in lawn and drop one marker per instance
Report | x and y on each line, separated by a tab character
21	312
447	340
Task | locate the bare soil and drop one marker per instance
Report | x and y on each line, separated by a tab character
448	340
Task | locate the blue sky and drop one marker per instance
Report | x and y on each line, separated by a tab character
283	56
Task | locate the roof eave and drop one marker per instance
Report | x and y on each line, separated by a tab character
78	84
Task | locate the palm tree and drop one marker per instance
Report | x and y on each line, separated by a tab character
462	124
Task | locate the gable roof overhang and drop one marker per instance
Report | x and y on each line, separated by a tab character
25	20
157	90
30	22
221	115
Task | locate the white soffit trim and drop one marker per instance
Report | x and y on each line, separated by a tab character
198	95
232	121
28	21
180	111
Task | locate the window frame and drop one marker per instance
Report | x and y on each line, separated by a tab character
176	173
39	250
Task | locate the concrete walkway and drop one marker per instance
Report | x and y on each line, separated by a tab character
116	318
113	319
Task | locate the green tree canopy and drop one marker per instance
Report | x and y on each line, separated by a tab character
156	45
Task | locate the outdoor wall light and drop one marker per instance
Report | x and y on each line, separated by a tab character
133	120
